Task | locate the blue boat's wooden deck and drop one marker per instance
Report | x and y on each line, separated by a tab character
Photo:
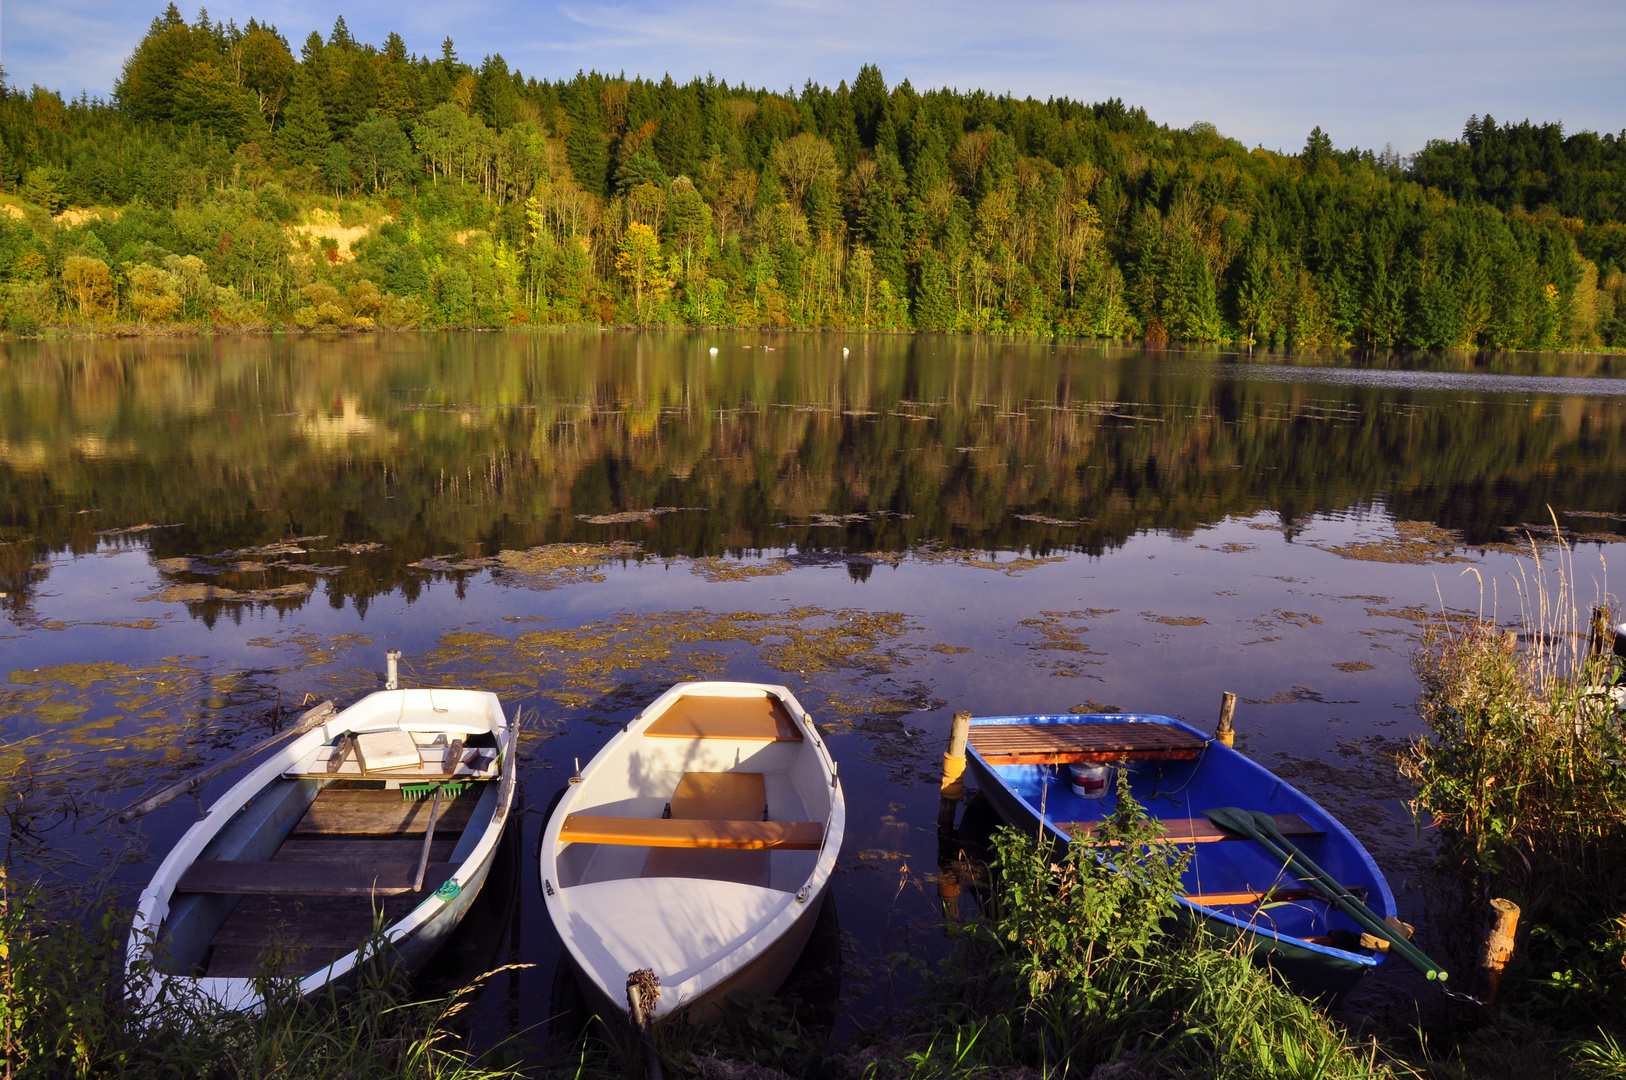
1060	744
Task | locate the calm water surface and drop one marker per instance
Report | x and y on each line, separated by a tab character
194	536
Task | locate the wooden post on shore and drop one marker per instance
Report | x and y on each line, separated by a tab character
953	785
1497	950
1603	632
948	890
1225	734
643	991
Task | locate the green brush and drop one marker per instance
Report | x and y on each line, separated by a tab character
449	790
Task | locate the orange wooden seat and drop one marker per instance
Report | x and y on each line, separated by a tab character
693	833
759	718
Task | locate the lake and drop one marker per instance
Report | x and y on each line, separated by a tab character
196	536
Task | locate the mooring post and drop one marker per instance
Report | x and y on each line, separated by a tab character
948	890
1224	733
953	785
1603	632
643	991
1497	950
392	679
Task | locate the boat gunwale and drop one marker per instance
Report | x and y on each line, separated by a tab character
802	903
240	993
1325	820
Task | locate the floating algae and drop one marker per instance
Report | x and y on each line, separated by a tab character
192	594
78	676
1054	635
715	569
1175	620
1415	542
614	663
932	553
1297	694
1040	519
633	517
552	565
451	564
1354	665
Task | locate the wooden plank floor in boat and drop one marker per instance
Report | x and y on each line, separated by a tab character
1057	744
348	827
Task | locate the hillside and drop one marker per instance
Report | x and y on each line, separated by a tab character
232	181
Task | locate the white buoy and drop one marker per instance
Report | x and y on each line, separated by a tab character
843	352
714	350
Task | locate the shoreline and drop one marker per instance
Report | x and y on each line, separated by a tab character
194	331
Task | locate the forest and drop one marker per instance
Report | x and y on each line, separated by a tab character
233	181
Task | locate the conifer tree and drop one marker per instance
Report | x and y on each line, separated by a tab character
304	136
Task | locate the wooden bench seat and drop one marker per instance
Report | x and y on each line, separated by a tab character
678	832
758	718
310	878
1197	830
379	812
1062	744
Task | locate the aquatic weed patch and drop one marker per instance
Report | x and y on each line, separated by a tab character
574	666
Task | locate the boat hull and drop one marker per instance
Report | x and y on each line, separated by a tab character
763	975
718	892
257	815
1313	970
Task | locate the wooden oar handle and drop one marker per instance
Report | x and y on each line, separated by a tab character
309	719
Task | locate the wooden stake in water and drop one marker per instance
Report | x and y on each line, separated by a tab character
1225	734
1497	951
953	784
643	991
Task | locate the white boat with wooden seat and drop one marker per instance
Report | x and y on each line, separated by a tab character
393	808
698	843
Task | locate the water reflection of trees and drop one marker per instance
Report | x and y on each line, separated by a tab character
472	444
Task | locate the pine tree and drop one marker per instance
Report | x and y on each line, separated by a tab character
934	305
304	136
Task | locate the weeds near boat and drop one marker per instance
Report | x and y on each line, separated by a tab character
1076	966
1522	773
64	1013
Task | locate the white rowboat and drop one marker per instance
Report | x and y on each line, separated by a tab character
297	859
698	843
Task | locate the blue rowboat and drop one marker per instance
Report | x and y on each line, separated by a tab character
1026	766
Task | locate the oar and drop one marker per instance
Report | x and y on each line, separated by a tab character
428	841
307	720
1262	830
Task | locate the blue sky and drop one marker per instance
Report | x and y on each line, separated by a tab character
1382	71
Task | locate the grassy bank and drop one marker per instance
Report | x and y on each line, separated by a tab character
1074	967
63	1013
1521	773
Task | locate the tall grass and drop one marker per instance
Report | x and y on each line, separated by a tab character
1079	963
1523	773
63	1014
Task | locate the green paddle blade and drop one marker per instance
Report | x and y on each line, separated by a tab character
1261	828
